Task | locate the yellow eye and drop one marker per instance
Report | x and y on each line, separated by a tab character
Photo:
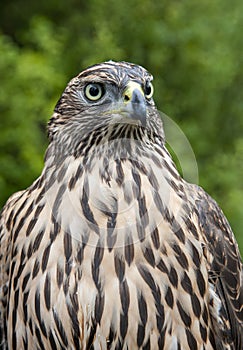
148	90
94	91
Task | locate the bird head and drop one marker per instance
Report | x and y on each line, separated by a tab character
105	96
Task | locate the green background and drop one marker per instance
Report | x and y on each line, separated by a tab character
194	49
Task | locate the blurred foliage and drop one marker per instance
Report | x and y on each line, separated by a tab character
193	49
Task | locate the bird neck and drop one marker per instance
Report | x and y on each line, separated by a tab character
116	141
127	180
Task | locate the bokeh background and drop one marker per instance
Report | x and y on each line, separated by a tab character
194	49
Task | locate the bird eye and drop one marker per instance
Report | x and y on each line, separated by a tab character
148	90
94	91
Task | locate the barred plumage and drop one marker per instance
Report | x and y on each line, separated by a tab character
110	248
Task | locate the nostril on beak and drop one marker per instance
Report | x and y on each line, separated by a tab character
126	98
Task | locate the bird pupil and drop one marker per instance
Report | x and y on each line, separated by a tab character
94	90
147	89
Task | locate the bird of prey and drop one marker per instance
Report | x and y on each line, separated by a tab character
110	248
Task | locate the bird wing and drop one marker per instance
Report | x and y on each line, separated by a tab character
225	267
6	221
4	268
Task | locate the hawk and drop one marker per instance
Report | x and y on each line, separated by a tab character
110	248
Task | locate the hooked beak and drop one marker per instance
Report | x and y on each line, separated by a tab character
134	103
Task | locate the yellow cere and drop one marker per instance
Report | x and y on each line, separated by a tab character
131	86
